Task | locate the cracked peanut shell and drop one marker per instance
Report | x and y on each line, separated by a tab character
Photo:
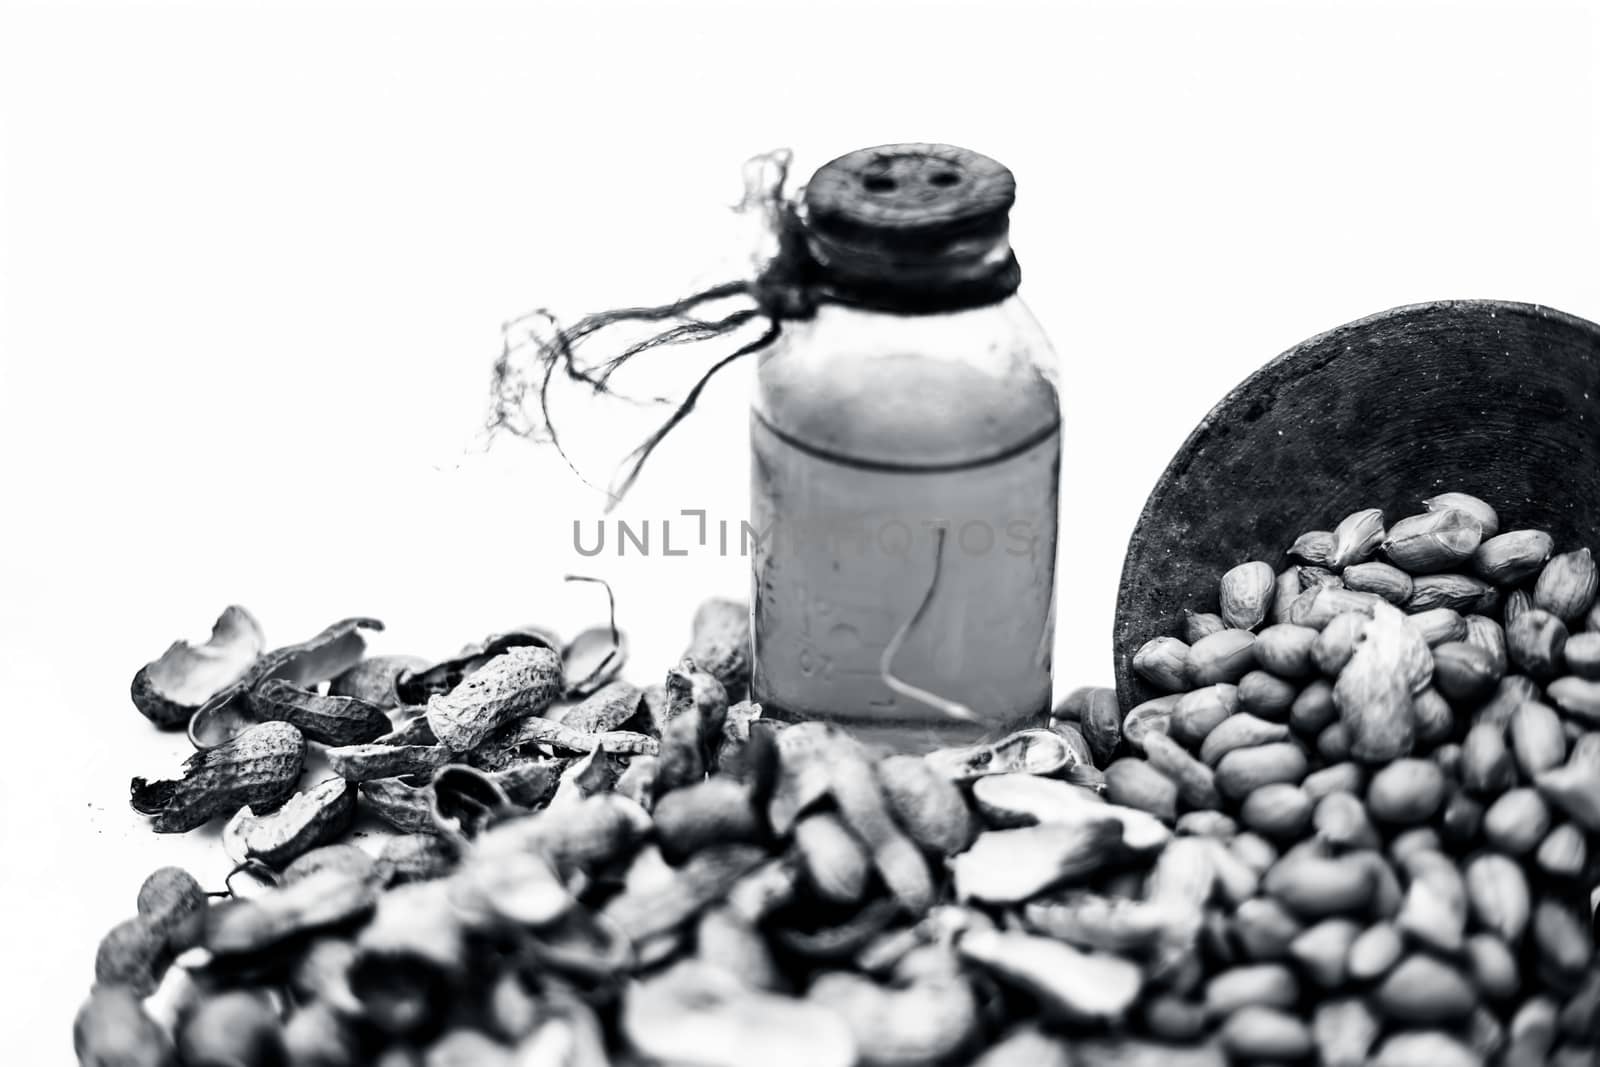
259	768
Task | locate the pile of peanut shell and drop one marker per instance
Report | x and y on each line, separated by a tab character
1361	828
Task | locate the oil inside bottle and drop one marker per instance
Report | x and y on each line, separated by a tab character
843	555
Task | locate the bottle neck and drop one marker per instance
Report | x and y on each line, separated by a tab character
961	273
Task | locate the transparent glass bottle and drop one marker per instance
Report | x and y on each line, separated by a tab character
918	425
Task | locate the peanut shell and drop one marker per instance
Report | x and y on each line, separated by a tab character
721	642
519	682
304	821
258	768
328	720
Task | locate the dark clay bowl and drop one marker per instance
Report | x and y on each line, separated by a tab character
1496	399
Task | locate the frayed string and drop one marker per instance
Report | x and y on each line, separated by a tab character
790	284
555	347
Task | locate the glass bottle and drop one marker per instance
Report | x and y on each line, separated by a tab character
912	424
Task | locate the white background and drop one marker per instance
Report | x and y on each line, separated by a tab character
255	257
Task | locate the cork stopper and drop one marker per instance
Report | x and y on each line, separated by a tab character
910	200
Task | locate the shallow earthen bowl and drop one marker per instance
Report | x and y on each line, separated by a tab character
1497	399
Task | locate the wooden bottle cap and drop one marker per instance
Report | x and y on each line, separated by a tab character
910	198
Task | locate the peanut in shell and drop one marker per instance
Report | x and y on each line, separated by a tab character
259	767
112	1029
173	901
721	642
716	810
362	763
133	953
520	681
927	805
328	720
304	821
834	861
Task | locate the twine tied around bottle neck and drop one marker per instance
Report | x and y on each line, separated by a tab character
817	261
